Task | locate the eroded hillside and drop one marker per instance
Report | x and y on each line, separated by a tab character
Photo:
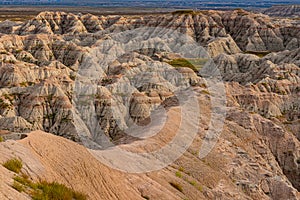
74	75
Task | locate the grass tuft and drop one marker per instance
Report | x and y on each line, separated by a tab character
56	191
194	64
200	188
178	174
17	186
193	183
14	165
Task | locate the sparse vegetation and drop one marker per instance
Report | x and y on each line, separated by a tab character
46	191
23	84
200	188
178	174
193	183
56	191
17	186
181	169
258	53
194	64
1	139
24	180
14	165
176	186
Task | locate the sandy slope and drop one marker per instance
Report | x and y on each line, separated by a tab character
52	158
241	166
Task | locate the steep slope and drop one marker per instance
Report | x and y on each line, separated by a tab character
232	170
90	78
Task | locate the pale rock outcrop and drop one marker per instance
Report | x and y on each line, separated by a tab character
59	67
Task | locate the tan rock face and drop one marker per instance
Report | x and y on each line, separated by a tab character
64	73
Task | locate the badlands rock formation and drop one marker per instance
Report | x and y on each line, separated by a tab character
90	79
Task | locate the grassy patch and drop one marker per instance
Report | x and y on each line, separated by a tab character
17	186
178	174
193	183
194	64
46	191
200	188
23	84
177	186
14	165
181	169
24	180
56	191
258	53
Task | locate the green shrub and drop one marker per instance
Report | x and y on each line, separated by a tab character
194	64
23	84
79	196
200	188
17	186
181	169
24	180
178	174
193	183
56	191
14	165
1	139
176	186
